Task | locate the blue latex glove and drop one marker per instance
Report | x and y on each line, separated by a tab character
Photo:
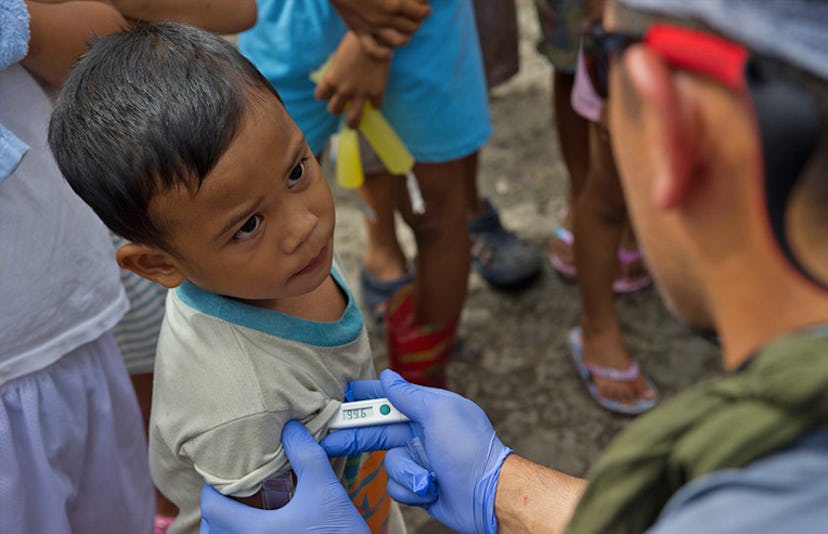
320	503
457	442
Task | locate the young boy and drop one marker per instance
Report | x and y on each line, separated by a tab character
433	93
183	148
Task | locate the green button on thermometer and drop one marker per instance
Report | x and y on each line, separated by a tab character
366	413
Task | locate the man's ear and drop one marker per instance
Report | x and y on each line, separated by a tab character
151	263
674	122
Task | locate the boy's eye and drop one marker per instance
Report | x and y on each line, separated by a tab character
249	228
297	173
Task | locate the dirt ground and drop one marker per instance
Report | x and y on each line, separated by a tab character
512	357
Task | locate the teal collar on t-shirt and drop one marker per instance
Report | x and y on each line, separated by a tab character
323	334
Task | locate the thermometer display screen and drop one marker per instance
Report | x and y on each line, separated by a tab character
357	413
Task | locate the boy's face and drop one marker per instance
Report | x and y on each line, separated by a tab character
260	228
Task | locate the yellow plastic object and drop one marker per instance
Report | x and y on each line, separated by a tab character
391	151
316	75
348	161
385	141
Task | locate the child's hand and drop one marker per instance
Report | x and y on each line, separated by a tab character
382	24
352	77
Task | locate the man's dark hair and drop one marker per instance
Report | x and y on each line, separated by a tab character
144	111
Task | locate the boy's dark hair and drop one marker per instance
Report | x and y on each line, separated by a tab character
147	110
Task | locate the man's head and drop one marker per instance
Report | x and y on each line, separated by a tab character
684	124
181	146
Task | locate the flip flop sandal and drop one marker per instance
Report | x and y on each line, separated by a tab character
624	285
621	285
375	293
500	257
419	352
588	371
566	269
161	524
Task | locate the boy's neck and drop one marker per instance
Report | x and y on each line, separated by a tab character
326	303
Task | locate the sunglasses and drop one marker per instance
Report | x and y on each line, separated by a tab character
787	115
680	47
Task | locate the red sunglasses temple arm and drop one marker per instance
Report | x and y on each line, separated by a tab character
700	52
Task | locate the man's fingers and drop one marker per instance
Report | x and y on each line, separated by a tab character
400	493
224	515
405	471
370	438
363	389
410	399
304	453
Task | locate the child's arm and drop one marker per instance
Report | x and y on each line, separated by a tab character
60	33
353	77
382	24
219	16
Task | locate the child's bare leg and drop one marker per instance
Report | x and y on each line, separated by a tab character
383	257
573	133
442	236
634	268
600	215
499	256
573	137
474	204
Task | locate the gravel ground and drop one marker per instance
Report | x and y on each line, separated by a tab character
511	357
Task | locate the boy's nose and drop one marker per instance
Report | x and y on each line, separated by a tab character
298	229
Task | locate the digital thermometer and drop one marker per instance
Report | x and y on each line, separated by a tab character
366	413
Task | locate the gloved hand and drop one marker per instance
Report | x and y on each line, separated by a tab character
320	503
456	440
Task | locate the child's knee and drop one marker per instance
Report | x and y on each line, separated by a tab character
439	222
609	208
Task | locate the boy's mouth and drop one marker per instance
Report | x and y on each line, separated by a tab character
314	263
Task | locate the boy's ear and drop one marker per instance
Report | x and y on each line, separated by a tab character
675	125
151	263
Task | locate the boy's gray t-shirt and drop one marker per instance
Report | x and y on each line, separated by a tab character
228	376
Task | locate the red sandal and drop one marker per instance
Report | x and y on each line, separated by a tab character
419	352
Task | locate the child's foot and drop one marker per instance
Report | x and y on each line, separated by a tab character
632	274
499	256
613	378
561	247
419	352
374	294
632	270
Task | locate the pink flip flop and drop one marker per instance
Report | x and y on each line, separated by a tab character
620	285
588	371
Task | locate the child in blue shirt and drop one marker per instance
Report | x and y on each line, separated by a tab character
433	92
